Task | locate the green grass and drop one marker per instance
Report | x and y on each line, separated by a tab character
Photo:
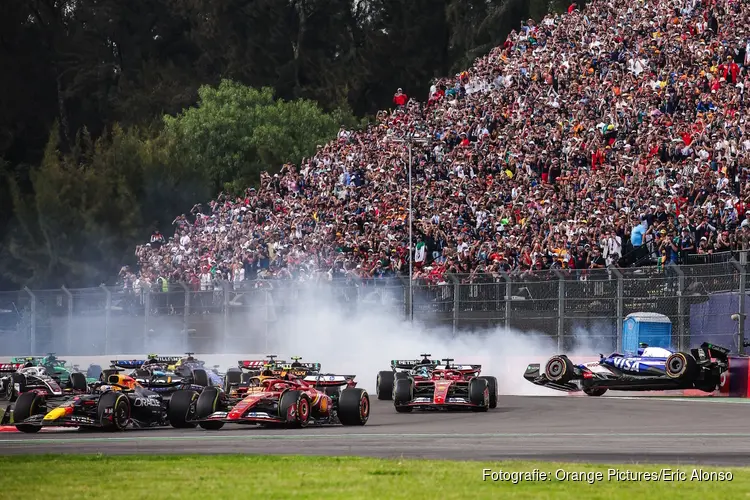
236	476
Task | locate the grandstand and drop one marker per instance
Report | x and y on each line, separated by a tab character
611	135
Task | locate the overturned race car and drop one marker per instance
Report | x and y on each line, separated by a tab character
648	369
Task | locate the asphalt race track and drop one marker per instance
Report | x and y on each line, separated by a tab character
607	429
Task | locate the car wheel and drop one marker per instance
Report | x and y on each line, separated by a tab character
16	379
354	406
681	366
200	377
492	386
559	369
232	377
209	401
300	416
594	391
479	394
181	409
78	382
114	411
384	385
403	393
28	405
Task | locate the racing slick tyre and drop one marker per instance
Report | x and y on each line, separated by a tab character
232	377
13	392
479	394
594	391
28	405
403	393
181	411
681	366
400	376
384	385
492	386
114	411
78	382
300	417
200	377
559	369
94	371
354	406
209	402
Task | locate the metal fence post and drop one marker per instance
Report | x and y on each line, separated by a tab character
681	333
560	310
32	333
741	306
620	305
225	293
146	315
507	300
456	300
69	329
186	310
107	313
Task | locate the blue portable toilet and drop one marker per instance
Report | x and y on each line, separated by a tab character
652	328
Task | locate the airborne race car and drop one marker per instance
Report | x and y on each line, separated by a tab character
649	369
428	385
288	401
119	404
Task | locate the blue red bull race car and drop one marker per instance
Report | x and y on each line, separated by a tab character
648	369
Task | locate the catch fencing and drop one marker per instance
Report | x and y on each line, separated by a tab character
575	308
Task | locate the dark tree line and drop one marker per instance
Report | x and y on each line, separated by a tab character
81	75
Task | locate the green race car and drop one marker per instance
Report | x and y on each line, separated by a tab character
58	369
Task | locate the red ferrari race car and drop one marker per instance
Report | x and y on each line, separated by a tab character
287	401
446	386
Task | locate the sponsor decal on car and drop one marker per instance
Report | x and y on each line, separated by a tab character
147	402
627	364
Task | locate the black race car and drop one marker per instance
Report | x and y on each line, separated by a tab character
165	374
114	406
400	368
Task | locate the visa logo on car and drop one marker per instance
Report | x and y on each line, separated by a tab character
627	364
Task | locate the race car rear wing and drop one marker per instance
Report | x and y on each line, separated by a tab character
258	364
329	379
301	366
409	364
10	367
713	351
460	368
128	364
25	359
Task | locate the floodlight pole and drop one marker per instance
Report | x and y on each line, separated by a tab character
409	140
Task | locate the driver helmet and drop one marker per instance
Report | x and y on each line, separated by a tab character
267	370
422	371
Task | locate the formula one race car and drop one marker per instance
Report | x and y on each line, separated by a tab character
114	406
57	368
400	368
649	369
447	386
17	378
251	373
287	401
166	373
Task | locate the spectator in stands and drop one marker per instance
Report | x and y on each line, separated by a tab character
614	132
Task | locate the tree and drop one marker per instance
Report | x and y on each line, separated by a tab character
89	208
235	132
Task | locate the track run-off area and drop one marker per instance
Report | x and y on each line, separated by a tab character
606	429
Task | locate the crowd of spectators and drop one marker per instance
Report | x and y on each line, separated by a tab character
609	135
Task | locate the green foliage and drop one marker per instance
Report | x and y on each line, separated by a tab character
235	132
90	207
